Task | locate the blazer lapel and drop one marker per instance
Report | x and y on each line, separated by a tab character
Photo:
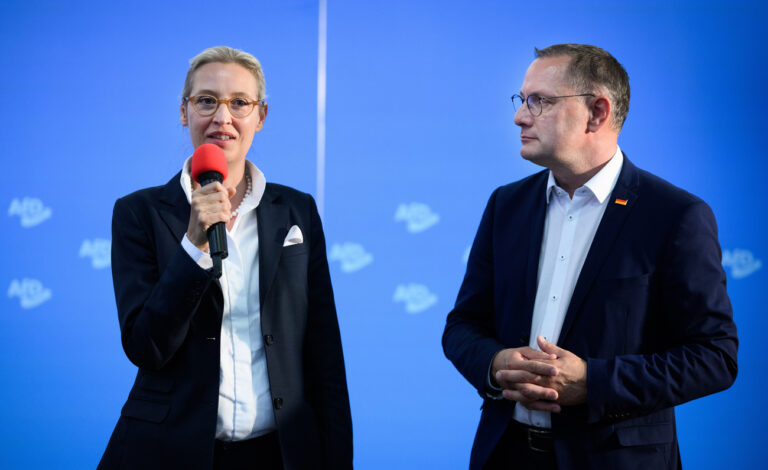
610	226
536	217
272	216
174	207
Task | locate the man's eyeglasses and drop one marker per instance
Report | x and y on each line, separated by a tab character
207	105
535	103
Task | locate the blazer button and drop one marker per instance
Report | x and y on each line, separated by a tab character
269	340
278	402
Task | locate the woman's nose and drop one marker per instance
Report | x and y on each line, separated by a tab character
222	114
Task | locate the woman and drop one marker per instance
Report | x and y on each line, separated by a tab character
245	371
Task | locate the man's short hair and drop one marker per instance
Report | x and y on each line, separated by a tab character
593	69
225	55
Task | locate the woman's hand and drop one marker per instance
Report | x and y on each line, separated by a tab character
210	205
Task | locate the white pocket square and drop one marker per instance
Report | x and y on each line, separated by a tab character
294	236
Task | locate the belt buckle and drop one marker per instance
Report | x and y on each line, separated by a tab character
531	434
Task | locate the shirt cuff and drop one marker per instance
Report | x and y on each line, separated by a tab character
491	391
200	257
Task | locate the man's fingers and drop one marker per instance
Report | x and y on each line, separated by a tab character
535	392
540	356
532	354
514	358
549	348
536	405
536	367
508	378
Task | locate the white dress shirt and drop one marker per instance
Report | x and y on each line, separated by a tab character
569	229
245	404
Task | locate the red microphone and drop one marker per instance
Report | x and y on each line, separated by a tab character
209	164
209	157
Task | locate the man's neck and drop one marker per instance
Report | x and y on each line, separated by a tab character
572	176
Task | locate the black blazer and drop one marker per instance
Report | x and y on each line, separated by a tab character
649	314
170	313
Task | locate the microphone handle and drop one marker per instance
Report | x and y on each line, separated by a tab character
217	240
217	233
217	247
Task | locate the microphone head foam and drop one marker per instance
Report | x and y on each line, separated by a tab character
208	157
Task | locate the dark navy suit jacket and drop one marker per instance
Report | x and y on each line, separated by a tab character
170	313
649	313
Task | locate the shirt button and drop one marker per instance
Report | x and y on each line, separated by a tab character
278	402
554	298
562	258
269	340
570	218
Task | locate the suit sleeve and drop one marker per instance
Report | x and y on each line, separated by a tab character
154	308
469	339
325	372
697	320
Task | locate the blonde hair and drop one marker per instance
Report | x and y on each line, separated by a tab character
226	55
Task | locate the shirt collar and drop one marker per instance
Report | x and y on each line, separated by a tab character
601	184
258	185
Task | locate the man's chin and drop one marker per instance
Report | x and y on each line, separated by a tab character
533	157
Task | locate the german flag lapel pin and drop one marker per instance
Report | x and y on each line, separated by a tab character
621	202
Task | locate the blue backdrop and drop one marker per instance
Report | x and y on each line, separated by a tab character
419	133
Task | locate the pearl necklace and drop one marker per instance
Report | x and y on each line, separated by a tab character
245	196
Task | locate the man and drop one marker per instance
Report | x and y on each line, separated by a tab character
594	300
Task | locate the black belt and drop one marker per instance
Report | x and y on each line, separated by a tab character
537	439
256	444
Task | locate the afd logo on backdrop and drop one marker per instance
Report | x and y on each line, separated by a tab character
741	262
417	216
416	297
30	292
31	211
99	250
351	256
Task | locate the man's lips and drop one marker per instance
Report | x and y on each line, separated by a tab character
526	138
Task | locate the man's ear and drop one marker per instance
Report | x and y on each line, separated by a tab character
183	115
599	113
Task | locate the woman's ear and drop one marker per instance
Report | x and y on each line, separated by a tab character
183	115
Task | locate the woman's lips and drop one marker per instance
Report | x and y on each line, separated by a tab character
220	138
